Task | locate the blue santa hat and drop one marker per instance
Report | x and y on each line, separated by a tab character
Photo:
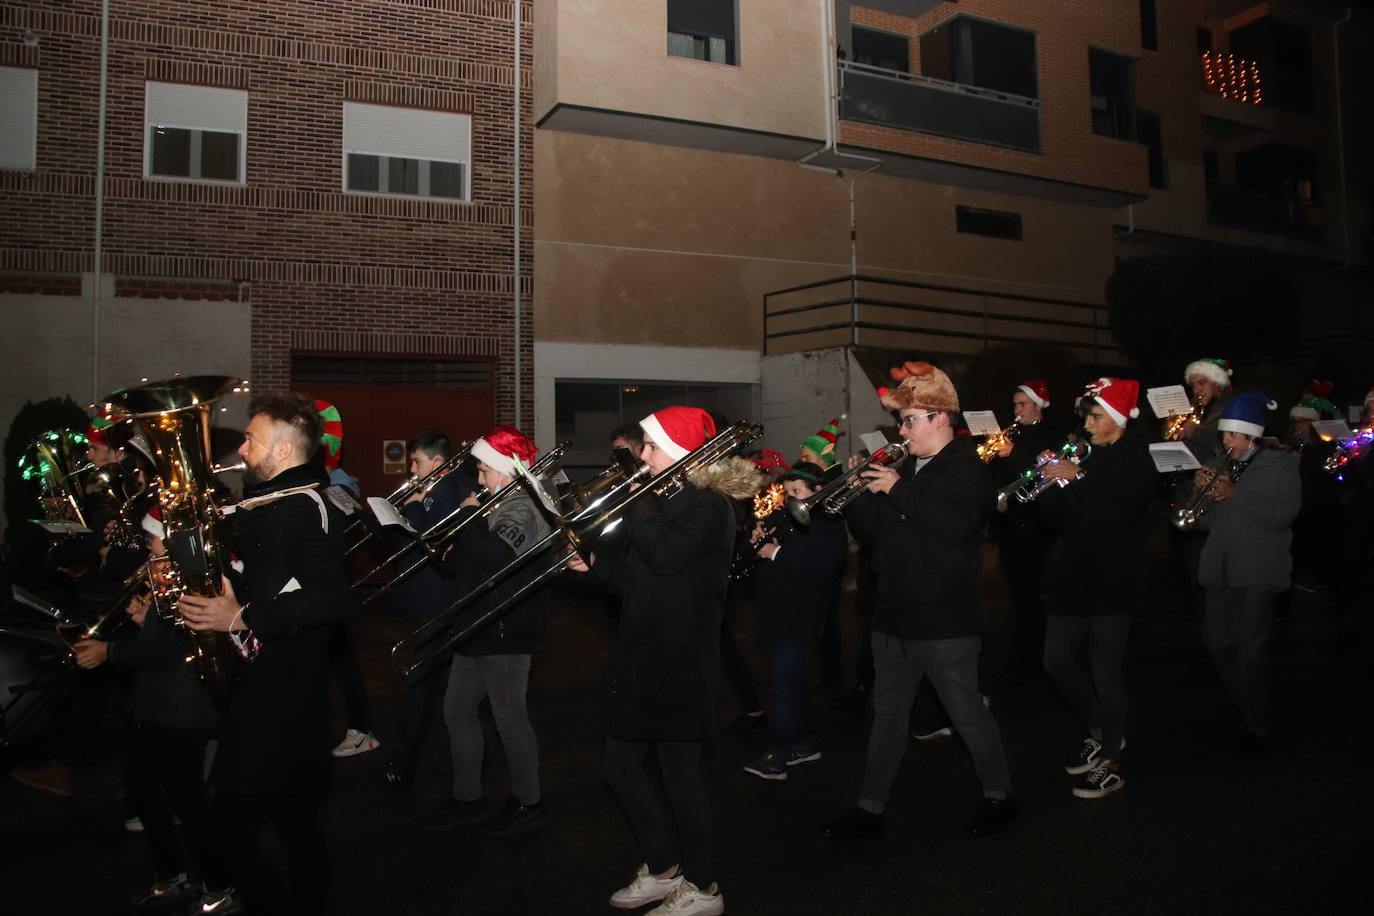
1245	414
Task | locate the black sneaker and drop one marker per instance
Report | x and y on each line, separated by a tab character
857	824
217	903
992	815
772	766
1099	781
165	893
516	818
1088	757
454	813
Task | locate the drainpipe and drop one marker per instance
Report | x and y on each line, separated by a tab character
1340	133
854	257
98	255
515	211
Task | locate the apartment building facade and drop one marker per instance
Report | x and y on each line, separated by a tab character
318	194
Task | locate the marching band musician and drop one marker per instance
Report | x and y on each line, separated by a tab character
666	662
926	524
1246	562
273	762
1023	543
425	593
1209	383
796	590
1316	554
1104	520
495	663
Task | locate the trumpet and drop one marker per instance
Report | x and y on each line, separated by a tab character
1032	483
438	536
1176	425
843	490
989	447
581	532
1186	518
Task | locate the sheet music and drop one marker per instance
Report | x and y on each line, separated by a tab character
60	527
1168	400
1172	456
982	422
388	514
873	441
342	499
1331	429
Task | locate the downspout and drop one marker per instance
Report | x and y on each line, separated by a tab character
854	258
1340	133
828	64
98	254
515	210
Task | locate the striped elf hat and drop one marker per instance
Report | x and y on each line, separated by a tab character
332	439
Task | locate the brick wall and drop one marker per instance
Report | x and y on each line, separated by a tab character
308	257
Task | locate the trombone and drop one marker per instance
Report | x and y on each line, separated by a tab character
434	539
409	487
846	488
581	531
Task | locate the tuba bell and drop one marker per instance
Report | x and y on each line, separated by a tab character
174	416
56	462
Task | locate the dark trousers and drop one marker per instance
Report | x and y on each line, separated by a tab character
239	821
794	702
1099	701
680	764
732	662
1023	551
163	780
344	664
424	691
1236	633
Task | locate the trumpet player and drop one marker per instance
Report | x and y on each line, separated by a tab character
1209	383
926	525
796	592
495	663
425	593
273	762
1105	524
1246	561
1023	543
666	662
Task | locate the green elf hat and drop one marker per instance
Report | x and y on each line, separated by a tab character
823	443
1212	368
332	440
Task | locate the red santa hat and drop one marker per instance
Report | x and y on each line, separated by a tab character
503	448
679	430
152	522
1037	391
771	462
1118	396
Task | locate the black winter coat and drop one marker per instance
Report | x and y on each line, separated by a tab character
275	736
429	590
927	538
1103	565
165	689
797	588
672	578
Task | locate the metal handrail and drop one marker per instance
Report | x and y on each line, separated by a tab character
901	76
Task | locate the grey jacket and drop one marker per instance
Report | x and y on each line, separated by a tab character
1249	533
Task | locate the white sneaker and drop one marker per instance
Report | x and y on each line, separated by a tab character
645	888
355	742
689	900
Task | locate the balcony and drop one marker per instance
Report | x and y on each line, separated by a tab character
1262	211
1232	77
913	102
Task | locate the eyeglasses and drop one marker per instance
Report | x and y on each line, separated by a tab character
908	422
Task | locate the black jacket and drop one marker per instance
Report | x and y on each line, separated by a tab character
927	537
672	579
429	590
488	546
165	689
1103	565
797	589
1019	521
275	736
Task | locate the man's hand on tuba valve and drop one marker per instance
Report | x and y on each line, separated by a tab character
215	613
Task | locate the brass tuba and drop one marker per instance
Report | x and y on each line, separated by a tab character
54	461
174	416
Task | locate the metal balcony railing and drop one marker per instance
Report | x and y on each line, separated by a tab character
879	312
931	106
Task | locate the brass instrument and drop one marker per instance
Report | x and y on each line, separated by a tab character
766	503
412	484
582	532
438	536
1033	482
1186	518
54	461
1176	425
174	416
1349	449
846	488
989	447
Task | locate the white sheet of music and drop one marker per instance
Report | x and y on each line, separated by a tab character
873	441
342	499
1168	400
982	422
1172	456
1331	429
388	514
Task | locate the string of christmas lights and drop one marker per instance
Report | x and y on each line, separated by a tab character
1232	77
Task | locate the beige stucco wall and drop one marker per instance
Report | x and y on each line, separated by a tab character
613	54
638	243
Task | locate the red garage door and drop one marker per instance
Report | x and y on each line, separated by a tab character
385	399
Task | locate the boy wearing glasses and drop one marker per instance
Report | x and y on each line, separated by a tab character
925	522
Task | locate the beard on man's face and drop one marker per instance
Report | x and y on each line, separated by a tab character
254	474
